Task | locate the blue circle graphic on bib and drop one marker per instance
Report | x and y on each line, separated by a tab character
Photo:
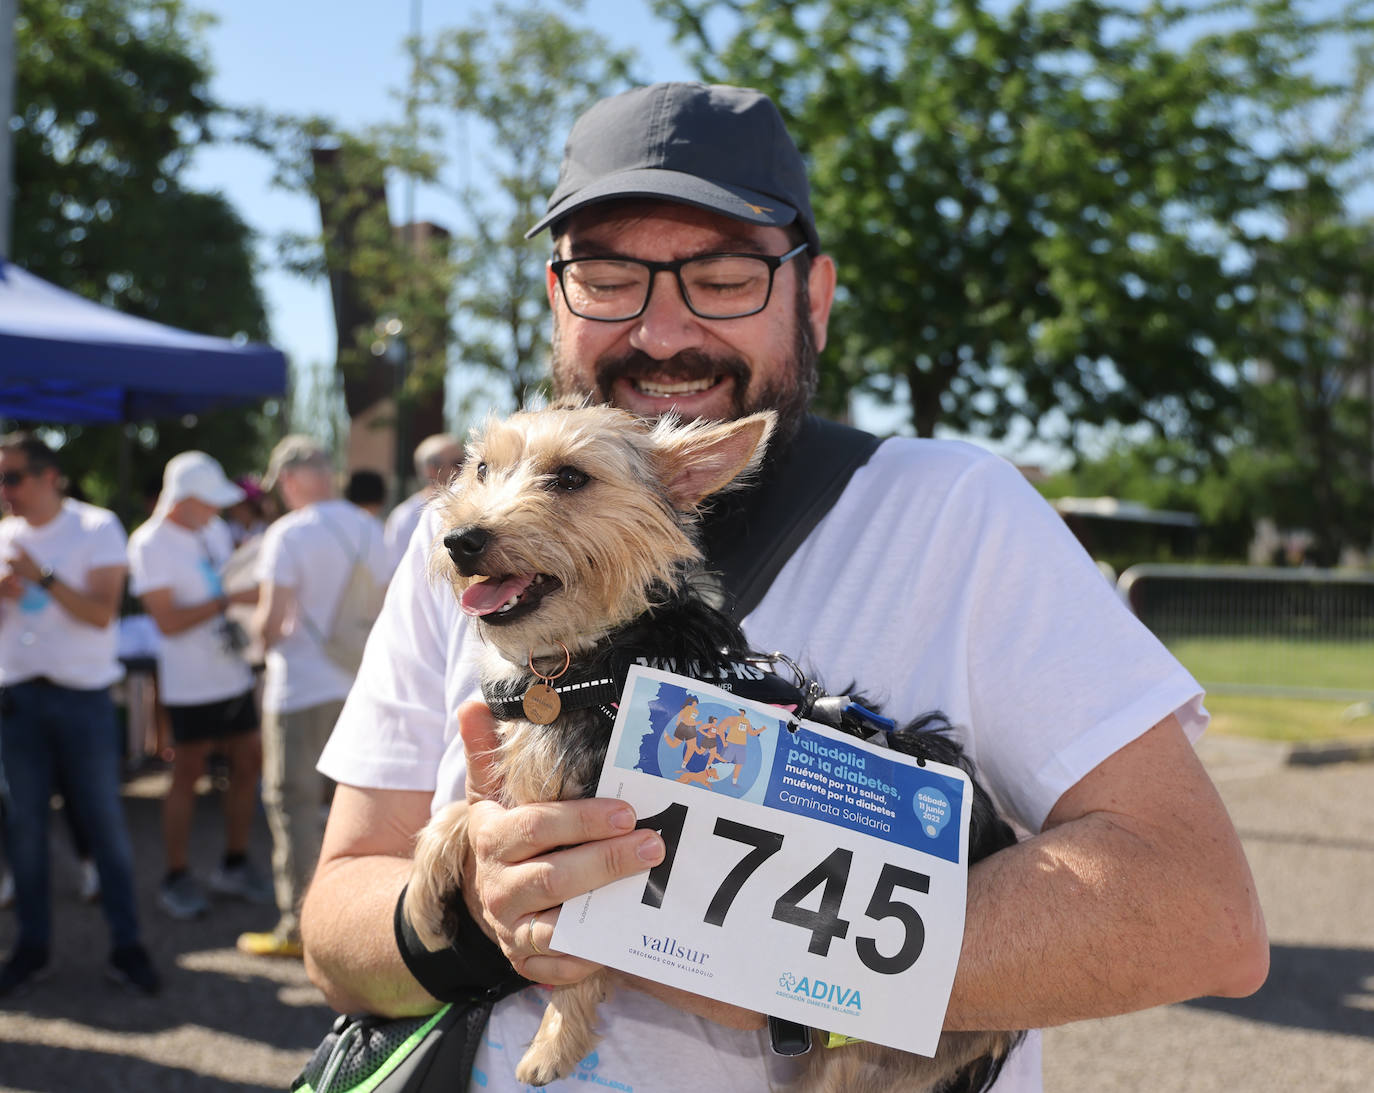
932	809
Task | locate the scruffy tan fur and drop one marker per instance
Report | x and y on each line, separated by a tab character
608	543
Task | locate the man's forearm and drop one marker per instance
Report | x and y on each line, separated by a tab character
350	949
92	609
178	619
1108	913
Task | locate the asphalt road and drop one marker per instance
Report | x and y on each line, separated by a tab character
227	1022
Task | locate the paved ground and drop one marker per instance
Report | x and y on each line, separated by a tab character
233	1023
1309	835
224	1022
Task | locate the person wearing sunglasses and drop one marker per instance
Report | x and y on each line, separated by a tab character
62	567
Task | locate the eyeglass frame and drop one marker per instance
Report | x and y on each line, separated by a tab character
772	261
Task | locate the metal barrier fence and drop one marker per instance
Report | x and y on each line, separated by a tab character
1304	633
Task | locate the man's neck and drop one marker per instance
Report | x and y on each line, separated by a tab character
45	512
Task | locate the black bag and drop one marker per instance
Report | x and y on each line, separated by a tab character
398	1055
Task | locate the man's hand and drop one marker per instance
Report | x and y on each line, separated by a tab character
11	586
22	565
530	859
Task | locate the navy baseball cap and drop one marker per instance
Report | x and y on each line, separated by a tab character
720	148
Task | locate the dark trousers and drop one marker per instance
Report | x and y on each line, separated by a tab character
49	731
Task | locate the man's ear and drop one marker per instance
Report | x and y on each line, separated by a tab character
551	287
701	458
820	294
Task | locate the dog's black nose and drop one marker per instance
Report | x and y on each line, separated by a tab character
465	546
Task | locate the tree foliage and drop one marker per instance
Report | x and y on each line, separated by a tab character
390	284
513	82
1048	213
504	89
111	99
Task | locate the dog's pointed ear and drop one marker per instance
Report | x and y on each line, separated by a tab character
700	459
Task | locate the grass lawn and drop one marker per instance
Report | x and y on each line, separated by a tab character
1268	662
1293	720
1277	664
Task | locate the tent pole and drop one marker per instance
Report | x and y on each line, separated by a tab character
124	480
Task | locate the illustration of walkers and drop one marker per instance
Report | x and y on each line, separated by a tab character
685	728
735	732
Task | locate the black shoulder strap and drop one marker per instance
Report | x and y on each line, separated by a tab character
750	535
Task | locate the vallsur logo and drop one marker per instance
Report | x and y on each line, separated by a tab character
820	991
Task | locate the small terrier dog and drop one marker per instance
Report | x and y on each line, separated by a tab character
570	539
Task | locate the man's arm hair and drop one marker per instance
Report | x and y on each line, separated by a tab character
347	916
1136	893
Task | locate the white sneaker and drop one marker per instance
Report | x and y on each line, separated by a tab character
88	887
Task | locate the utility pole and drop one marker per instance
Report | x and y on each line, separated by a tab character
412	240
9	15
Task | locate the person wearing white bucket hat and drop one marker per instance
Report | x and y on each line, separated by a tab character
175	562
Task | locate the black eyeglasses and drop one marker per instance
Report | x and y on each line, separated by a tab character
713	286
13	478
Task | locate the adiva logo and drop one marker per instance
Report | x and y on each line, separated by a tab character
818	990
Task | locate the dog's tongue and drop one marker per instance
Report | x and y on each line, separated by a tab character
487	596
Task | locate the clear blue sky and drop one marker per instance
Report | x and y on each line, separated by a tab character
344	59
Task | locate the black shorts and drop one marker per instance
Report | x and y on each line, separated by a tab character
214	720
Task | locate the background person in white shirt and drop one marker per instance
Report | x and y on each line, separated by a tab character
437	459
303	564
62	565
176	563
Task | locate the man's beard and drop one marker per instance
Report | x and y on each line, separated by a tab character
788	394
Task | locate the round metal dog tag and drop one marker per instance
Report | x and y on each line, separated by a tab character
541	704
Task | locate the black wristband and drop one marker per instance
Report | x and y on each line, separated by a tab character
473	967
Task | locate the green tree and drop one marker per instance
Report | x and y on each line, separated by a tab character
1307	423
522	75
1043	213
111	100
389	285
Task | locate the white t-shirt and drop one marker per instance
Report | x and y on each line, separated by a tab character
401	525
939	580
312	551
193	666
37	636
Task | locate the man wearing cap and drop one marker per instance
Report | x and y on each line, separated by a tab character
62	566
938	579
176	563
303	565
437	459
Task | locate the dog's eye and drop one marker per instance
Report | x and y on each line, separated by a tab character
481	472
569	478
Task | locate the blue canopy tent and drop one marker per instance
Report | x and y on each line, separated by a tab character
67	360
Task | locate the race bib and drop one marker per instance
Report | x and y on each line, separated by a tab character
809	875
